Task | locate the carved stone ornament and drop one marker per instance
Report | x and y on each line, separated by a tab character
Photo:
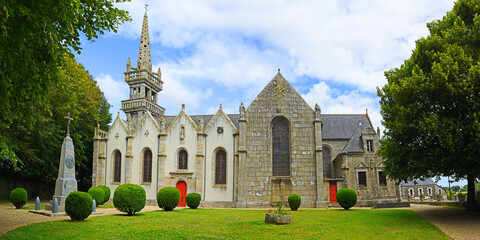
242	110
182	133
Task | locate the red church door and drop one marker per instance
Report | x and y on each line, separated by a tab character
333	191
182	187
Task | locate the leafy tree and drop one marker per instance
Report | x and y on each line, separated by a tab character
76	93
431	104
34	37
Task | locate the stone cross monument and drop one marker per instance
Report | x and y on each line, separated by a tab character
66	181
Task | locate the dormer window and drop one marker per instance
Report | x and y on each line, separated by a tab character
369	145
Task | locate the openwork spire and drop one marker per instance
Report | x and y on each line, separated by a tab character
144	58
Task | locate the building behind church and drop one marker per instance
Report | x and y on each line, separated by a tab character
276	146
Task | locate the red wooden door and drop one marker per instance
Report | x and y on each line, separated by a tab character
182	187
333	191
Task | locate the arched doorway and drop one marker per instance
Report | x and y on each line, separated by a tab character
182	187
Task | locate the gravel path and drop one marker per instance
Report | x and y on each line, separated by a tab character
457	224
11	218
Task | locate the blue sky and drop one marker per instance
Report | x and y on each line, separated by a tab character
224	52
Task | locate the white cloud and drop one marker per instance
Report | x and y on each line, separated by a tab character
346	102
115	91
234	48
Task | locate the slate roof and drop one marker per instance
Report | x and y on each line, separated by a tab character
355	145
234	118
342	126
425	182
207	118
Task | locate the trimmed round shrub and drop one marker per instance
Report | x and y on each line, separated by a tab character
18	197
129	198
168	198
346	198
107	192
294	201
193	200
78	205
98	194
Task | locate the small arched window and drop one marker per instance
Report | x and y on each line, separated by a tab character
281	147
221	167
326	162
182	159
117	175
147	166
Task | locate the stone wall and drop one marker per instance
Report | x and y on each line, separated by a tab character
262	188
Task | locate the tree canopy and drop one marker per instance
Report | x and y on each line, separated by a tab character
431	103
77	93
34	37
37	38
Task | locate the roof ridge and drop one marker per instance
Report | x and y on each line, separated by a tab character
348	114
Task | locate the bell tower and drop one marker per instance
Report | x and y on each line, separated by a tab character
144	84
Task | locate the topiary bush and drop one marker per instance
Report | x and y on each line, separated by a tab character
78	205
98	194
294	201
107	192
193	200
346	198
129	198
18	197
168	198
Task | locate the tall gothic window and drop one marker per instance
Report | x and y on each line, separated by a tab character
117	167
326	162
182	159
147	166
382	179
362	179
221	167
281	147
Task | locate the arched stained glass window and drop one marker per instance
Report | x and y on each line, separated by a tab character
281	147
221	167
182	159
117	167
326	162
147	166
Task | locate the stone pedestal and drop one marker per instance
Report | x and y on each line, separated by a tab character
66	181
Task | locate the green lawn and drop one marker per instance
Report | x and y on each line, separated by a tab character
239	224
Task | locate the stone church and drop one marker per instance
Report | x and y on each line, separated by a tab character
276	146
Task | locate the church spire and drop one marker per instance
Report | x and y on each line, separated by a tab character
144	58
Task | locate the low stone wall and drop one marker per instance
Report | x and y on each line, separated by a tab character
391	205
34	188
452	204
219	204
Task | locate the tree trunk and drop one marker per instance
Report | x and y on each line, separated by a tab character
471	204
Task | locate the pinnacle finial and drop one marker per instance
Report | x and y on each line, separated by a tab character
278	70
146	7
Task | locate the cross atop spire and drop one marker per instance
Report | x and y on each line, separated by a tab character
144	58
146	7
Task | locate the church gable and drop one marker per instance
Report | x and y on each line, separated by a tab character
118	127
361	164
182	119
277	94
219	116
148	125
